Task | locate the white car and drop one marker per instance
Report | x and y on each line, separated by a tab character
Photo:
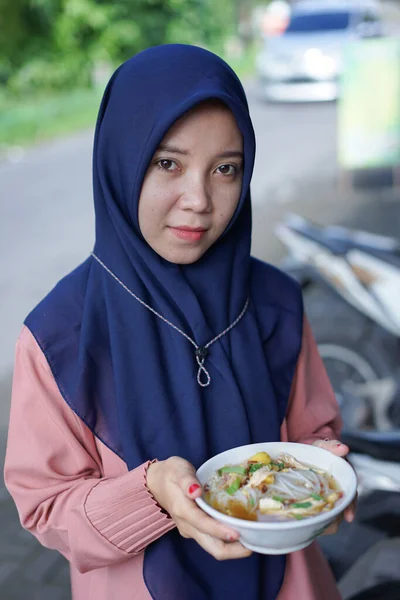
304	62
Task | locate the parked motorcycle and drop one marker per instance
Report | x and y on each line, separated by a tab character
351	284
365	555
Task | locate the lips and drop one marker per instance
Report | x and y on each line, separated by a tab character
185	228
191	234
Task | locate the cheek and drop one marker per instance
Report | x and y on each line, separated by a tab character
154	204
142	214
227	206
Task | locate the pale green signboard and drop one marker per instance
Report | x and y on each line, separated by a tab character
369	105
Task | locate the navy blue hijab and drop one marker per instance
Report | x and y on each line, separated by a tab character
132	378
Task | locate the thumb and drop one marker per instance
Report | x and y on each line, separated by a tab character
189	483
334	446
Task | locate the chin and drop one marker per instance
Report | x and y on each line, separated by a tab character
183	256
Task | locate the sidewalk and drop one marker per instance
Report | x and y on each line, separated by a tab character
27	570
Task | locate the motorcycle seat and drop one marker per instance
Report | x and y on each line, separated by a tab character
392	258
382	247
382	445
340	240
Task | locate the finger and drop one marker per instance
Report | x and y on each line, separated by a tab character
194	489
350	511
221	550
334	446
187	481
349	515
192	519
334	527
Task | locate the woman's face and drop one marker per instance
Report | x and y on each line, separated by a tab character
193	184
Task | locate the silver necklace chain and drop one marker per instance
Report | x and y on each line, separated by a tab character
200	351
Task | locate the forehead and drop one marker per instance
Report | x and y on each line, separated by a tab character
204	118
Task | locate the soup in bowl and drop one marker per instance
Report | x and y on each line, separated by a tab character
279	496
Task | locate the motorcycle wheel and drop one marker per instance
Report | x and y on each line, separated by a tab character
347	368
355	352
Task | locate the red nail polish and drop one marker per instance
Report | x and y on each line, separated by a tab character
338	444
193	488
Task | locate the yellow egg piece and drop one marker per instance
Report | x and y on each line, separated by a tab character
261	457
269	479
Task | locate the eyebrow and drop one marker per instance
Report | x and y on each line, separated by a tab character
176	150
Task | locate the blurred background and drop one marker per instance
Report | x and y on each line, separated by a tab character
323	83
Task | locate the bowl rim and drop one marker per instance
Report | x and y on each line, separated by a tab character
292	524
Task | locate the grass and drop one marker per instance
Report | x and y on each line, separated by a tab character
24	122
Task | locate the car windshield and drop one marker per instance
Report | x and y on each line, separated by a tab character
313	22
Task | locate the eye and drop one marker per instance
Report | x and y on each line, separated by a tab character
166	164
227	169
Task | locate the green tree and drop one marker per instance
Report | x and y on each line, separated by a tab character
54	43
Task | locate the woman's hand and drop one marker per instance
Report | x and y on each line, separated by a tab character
174	486
341	450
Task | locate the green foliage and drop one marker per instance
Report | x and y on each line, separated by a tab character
25	29
55	55
48	44
203	22
39	74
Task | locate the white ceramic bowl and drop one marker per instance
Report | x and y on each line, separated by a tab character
289	536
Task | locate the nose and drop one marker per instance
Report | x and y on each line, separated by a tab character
195	194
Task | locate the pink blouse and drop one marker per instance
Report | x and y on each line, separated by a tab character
76	496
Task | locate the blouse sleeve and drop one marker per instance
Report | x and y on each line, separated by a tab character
313	412
53	472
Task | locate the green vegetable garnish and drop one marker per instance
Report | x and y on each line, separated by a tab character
277	499
280	465
316	497
252	501
233	469
302	505
234	487
298	517
255	467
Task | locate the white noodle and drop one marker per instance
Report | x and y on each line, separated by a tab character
297	483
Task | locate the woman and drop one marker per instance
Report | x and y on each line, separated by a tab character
168	345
